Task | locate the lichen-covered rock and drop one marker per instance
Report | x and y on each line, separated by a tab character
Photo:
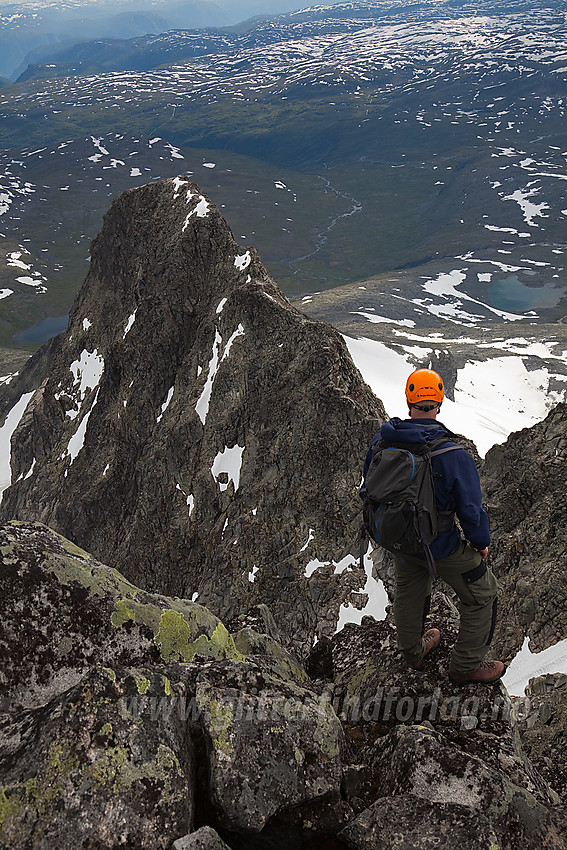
124	713
272	744
418	761
413	734
415	823
63	611
84	771
189	427
128	718
542	724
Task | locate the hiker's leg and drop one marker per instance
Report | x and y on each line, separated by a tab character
477	588
411	604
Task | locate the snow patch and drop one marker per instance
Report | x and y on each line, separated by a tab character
310	537
229	462
189	498
129	323
202	406
201	210
87	371
340	566
492	398
376	602
243	261
165	405
10	424
77	441
238	332
527	665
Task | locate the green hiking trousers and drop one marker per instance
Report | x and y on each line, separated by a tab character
475	585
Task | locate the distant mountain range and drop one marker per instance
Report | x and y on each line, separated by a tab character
345	142
38	27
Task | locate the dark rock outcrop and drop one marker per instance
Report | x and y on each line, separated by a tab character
542	722
137	720
524	486
122	712
192	428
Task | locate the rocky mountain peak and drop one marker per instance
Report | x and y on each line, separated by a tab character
189	426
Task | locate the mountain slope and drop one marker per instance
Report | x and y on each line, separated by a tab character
187	419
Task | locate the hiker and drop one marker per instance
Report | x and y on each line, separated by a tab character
459	562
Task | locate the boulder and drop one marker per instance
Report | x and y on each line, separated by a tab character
205	838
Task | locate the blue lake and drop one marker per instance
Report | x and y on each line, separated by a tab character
42	331
510	293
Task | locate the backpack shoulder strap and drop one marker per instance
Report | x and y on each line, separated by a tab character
435	445
446	449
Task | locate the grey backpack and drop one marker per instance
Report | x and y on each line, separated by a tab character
400	512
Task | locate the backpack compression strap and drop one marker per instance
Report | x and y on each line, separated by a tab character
446	519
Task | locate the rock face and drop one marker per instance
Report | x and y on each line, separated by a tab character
130	719
524	486
191	427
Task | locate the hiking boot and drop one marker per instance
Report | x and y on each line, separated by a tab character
486	673
431	638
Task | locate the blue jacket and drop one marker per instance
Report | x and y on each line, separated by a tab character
455	481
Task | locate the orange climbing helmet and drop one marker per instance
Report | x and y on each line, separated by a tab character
424	385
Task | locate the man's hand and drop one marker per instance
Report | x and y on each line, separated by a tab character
483	553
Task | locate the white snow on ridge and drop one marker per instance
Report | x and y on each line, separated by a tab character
201	210
165	405
315	563
189	498
242	262
229	461
526	665
238	332
492	398
10	424
87	371
129	323
498	396
77	441
178	182
376	602
202	406
310	537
